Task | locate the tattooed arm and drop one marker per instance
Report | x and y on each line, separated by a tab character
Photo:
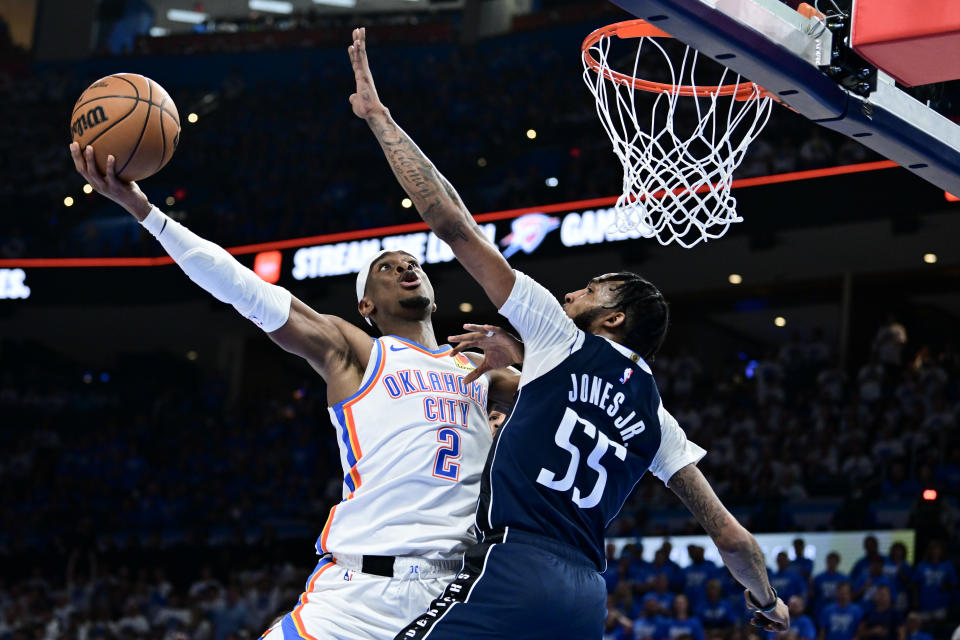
737	546
434	197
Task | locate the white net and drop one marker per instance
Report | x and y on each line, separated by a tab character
679	155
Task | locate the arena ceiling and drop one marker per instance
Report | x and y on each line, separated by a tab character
177	16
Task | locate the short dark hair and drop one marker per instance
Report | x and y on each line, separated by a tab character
646	311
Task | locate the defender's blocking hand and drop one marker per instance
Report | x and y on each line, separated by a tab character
365	102
500	349
126	194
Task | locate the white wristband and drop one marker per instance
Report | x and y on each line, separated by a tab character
155	221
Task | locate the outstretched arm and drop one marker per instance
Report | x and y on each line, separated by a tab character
739	549
435	198
334	348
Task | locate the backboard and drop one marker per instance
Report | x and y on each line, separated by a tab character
804	62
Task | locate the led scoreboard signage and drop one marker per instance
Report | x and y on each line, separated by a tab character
13	284
340	258
551	229
526	234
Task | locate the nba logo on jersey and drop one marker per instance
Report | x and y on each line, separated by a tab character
626	375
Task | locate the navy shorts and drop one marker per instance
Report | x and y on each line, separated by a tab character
518	585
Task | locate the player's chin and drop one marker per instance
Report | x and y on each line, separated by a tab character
416	301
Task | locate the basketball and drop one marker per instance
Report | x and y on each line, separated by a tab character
131	118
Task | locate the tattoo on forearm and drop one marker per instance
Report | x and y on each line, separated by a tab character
700	500
745	559
435	198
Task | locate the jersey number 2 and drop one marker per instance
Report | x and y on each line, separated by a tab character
562	438
444	465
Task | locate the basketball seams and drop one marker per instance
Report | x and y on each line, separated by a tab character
146	121
146	142
134	108
163	134
166	111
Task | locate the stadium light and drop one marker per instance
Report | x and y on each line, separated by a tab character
170	201
183	15
780	321
552	182
68	201
87	188
734	278
337	3
929	494
406	203
930	258
466	307
531	133
192	118
192	355
481	162
271	6
158	32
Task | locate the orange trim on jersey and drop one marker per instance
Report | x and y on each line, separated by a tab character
297	621
326	528
349	425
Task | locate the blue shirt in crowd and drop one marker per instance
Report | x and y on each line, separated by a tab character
695	578
934	580
644	628
840	623
788	583
825	587
716	614
803	566
870	583
672	628
803	626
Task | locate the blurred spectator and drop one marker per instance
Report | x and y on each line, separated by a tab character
800	563
936	579
911	629
681	623
617	626
899	571
840	620
871	552
648	624
867	584
881	620
787	581
660	594
696	575
800	624
716	613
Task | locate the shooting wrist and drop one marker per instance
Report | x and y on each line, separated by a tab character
140	208
768	602
378	114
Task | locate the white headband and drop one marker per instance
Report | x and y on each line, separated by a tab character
362	277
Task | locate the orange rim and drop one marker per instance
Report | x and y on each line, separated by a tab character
643	29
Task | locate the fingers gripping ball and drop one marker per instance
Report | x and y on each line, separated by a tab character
131	118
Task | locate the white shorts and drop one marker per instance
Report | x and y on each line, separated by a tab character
342	603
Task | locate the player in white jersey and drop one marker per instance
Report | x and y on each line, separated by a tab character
412	435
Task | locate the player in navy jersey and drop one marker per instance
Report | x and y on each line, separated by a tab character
587	424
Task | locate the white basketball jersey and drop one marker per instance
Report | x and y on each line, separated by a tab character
413	440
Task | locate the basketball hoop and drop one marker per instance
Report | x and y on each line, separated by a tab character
678	165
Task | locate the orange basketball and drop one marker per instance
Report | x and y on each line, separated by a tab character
131	118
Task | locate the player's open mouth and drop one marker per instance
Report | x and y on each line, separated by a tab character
409	280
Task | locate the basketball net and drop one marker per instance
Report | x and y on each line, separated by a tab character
678	165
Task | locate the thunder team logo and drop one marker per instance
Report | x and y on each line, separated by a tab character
527	232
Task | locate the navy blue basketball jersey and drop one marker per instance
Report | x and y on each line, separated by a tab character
588	423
